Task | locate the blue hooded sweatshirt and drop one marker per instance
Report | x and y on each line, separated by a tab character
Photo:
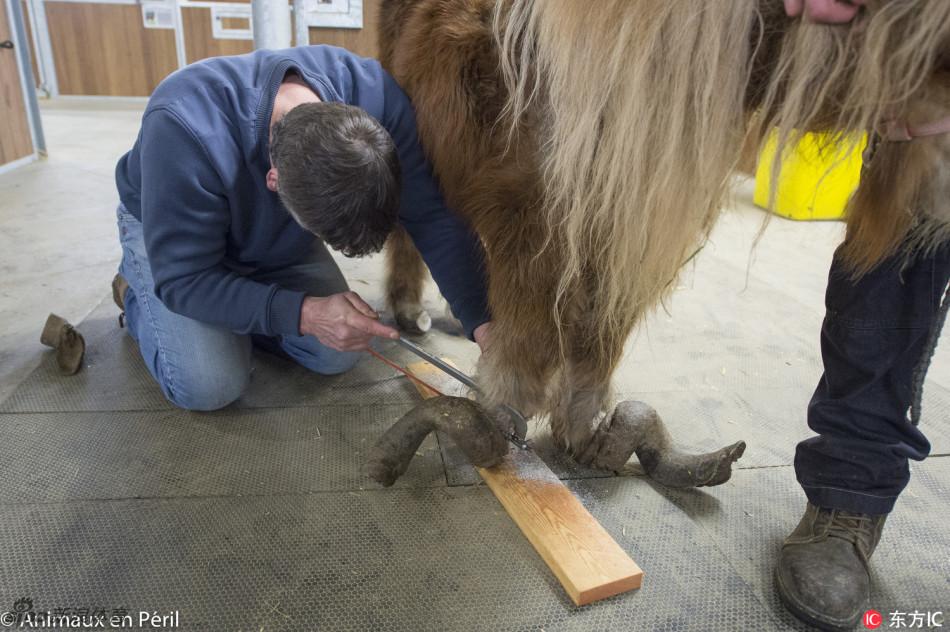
196	180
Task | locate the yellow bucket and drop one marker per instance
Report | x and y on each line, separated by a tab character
816	180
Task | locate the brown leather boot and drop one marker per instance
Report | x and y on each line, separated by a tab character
822	575
119	286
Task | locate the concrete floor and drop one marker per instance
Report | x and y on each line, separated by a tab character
258	518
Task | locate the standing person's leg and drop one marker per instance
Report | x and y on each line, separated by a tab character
873	337
317	275
198	366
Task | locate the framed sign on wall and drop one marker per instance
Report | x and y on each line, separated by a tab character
232	21
345	14
158	15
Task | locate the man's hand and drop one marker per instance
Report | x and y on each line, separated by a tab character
342	321
482	335
824	11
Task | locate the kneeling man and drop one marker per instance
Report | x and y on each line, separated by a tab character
244	170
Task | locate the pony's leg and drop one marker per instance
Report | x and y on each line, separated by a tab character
521	354
579	412
634	427
405	277
580	424
498	384
516	367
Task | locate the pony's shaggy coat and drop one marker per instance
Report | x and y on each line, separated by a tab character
890	65
591	146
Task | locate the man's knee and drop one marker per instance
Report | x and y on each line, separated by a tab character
208	390
335	362
310	353
326	361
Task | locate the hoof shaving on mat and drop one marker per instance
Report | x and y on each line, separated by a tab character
69	344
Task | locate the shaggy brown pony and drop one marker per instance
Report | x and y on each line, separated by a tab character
590	145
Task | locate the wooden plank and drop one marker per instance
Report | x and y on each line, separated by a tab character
586	560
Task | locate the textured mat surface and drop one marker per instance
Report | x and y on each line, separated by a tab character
711	388
258	517
114	377
910	569
442	559
447	559
69	456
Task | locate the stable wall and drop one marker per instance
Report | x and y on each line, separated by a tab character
104	49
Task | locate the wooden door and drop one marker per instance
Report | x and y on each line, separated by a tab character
199	41
360	41
103	49
15	139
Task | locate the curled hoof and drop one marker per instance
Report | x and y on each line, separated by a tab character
635	427
696	470
468	424
413	319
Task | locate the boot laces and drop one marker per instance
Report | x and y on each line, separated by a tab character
859	529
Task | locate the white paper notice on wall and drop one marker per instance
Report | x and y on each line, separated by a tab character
340	14
158	15
231	21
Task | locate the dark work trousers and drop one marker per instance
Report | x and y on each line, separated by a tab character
872	339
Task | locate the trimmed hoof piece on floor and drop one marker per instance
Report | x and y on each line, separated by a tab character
468	424
69	344
636	427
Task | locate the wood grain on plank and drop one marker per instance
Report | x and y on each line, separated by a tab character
578	550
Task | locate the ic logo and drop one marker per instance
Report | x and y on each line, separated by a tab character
872	619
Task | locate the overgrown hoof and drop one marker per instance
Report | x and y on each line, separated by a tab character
697	470
635	427
467	423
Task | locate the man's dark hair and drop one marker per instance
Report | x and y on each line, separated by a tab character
338	175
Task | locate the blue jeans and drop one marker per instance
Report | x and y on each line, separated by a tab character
203	367
872	339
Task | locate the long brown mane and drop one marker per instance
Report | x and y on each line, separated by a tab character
643	112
